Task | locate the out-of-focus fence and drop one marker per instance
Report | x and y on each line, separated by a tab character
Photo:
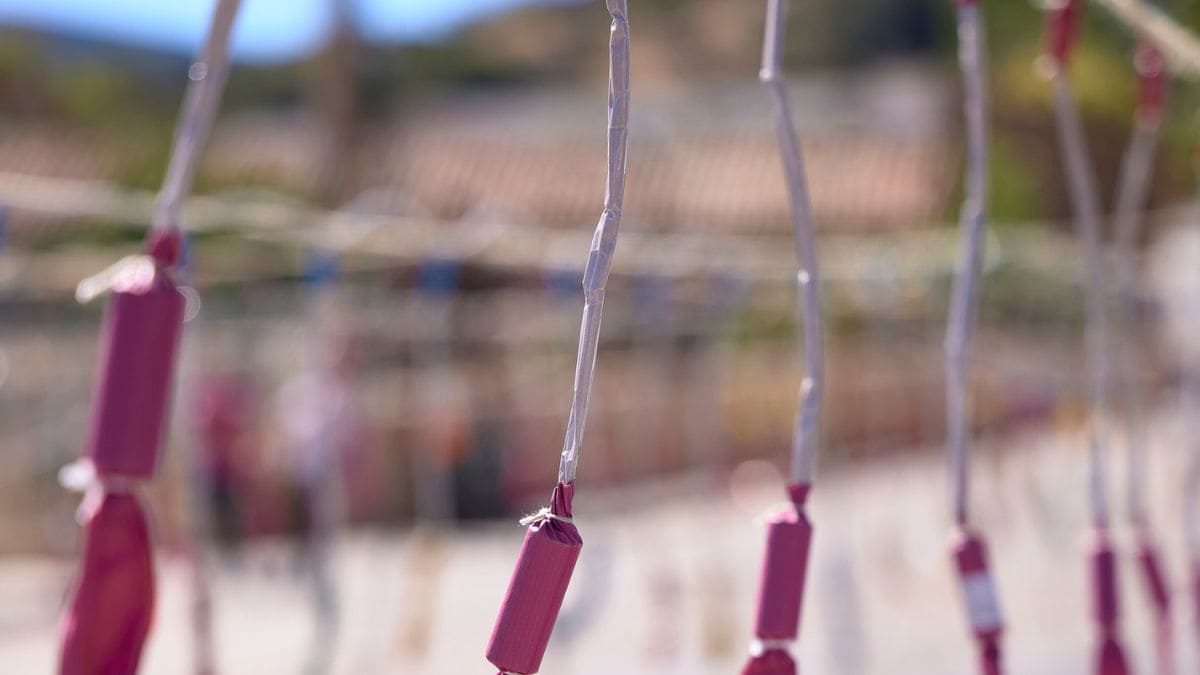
699	367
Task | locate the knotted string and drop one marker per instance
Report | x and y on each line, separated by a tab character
544	514
81	476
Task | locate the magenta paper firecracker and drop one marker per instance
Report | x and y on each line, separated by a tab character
979	597
772	661
1153	82
1106	608
113	606
133	385
781	588
538	586
784	570
1063	31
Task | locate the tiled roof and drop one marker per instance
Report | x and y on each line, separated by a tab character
729	183
700	162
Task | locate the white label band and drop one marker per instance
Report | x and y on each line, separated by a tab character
983	607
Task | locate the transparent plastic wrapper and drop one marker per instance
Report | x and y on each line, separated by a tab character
552	542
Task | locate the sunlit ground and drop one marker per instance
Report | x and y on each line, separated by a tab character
667	579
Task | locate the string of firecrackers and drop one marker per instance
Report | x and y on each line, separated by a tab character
789	532
1062	28
552	542
969	551
111	612
1133	186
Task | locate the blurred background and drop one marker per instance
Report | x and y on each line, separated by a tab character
389	232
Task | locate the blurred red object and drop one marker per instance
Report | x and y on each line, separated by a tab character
110	615
979	595
1062	30
781	591
1110	659
771	662
137	342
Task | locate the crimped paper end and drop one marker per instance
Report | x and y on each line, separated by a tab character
770	662
1111	658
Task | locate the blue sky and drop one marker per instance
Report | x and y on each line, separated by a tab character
267	29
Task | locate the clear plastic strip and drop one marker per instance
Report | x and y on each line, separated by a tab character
964	297
206	77
806	438
1132	189
604	242
1086	207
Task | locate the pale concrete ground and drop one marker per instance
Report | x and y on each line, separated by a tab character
667	579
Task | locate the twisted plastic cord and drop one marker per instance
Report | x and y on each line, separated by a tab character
1132	188
604	242
1086	206
964	298
806	438
206	77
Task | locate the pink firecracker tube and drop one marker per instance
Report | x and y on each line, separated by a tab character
539	583
1105	607
138	340
981	600
978	588
1155	579
781	589
110	615
785	563
1110	659
1062	30
1152	82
